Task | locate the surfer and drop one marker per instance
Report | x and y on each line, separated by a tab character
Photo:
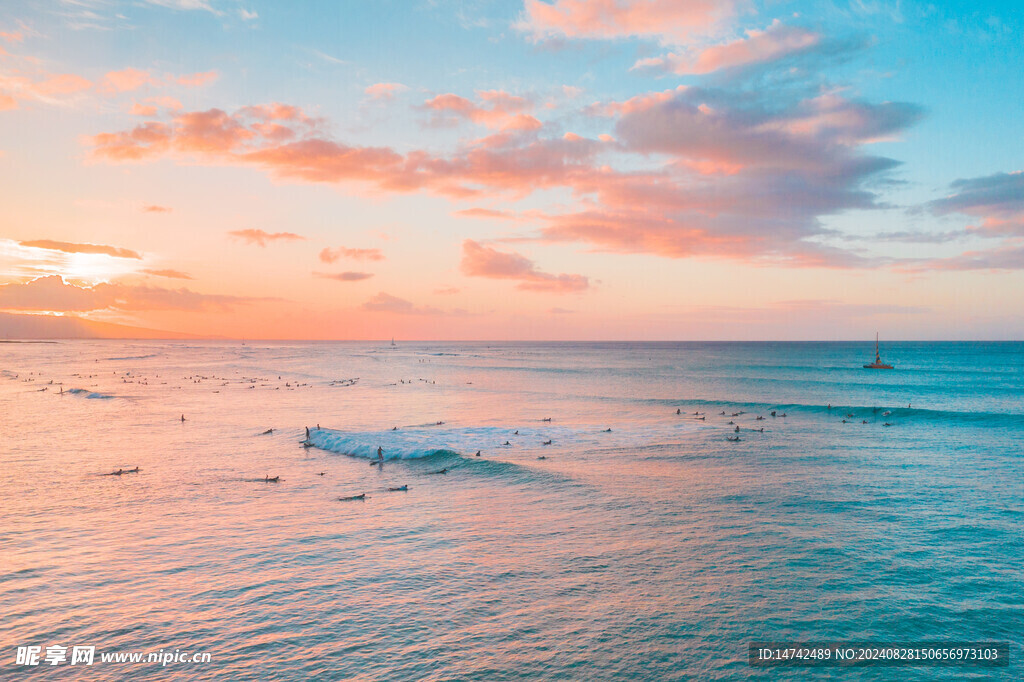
477	453
737	429
607	431
516	432
678	411
360	496
182	417
440	471
268	479
307	433
400	488
321	473
506	443
380	454
547	442
547	419
542	457
267	432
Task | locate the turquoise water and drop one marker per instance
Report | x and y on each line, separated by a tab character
655	550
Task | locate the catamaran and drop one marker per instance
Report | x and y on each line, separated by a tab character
877	364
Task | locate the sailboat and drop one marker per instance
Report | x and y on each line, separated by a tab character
392	341
877	364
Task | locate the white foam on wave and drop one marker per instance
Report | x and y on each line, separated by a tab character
86	393
419	442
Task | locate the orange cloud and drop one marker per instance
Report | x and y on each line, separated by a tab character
69	247
61	84
669	21
262	238
385	91
53	294
143	110
153	208
125	80
331	255
172	274
195	80
483	261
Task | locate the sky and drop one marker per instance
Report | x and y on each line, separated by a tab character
535	169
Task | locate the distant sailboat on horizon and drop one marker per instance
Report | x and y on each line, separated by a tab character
392	341
877	364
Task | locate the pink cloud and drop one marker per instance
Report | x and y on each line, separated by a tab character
195	80
1007	256
483	261
261	238
733	178
633	104
386	303
771	44
498	110
485	213
344	276
153	208
331	255
506	162
997	200
669	21
125	80
385	91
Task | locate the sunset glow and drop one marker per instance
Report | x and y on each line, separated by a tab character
558	169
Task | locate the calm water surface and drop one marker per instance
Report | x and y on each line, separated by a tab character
656	550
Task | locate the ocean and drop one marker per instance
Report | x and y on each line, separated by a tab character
638	544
